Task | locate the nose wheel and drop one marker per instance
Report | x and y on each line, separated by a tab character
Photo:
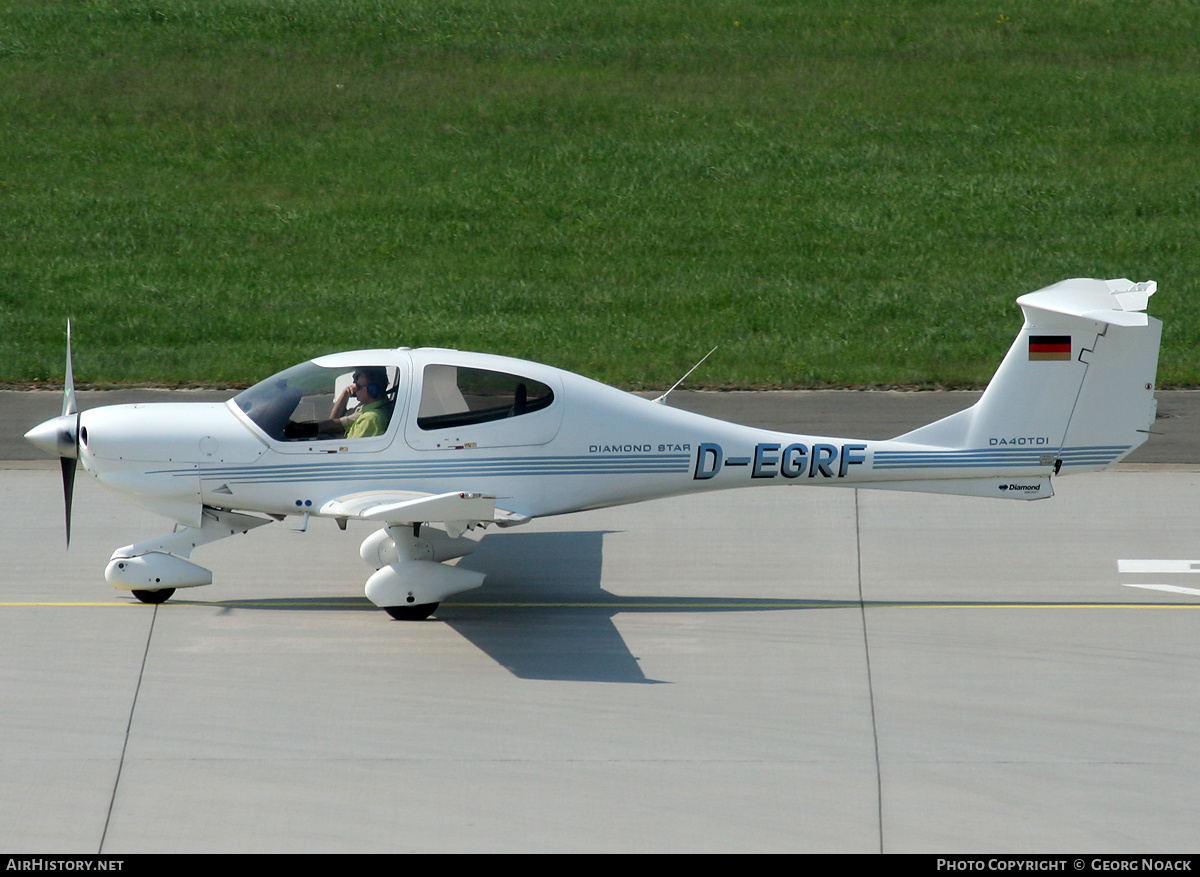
162	595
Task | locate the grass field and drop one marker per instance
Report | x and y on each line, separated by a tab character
834	193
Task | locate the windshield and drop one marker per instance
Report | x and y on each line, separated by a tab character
302	403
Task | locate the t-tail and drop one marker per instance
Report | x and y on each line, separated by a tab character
1074	394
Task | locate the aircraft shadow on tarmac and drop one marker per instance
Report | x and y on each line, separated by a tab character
542	612
551	622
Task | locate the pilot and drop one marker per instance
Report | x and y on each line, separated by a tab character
371	418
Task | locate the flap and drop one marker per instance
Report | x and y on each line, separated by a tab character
410	507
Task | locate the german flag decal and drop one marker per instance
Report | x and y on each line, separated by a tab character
1050	347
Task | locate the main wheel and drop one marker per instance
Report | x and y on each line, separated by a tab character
419	612
162	595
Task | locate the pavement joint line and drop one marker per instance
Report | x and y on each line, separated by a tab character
862	615
112	798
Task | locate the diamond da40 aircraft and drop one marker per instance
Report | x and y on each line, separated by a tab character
454	441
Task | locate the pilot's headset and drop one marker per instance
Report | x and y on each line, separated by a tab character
376	381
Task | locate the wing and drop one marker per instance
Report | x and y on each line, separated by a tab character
457	510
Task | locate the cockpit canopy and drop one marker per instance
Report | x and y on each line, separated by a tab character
448	398
291	405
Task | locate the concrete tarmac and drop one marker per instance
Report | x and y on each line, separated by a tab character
788	670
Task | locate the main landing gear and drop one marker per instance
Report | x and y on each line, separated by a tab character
410	579
419	612
162	595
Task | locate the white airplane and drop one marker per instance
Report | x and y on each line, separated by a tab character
468	439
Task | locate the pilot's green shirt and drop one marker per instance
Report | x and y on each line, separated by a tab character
372	420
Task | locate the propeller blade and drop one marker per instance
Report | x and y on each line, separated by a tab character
68	476
69	406
60	435
69	456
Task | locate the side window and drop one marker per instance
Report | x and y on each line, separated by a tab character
453	396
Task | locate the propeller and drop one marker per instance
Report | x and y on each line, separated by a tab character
60	435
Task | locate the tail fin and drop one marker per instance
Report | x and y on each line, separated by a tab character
1078	381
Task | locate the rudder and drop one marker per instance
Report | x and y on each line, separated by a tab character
1078	381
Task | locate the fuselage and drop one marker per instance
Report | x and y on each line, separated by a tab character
541	440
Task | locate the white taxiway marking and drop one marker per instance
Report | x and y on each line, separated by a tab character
1174	589
1159	566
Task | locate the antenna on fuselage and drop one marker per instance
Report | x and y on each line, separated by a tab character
662	400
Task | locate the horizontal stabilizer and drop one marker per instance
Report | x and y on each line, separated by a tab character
1119	302
1038	487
